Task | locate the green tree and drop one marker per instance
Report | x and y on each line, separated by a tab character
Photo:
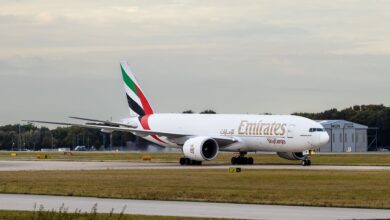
208	111
375	116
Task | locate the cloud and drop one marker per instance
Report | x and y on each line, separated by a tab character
235	57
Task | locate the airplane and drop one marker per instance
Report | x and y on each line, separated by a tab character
202	136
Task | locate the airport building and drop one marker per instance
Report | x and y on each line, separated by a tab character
345	136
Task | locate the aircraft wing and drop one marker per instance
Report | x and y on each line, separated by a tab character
174	137
95	126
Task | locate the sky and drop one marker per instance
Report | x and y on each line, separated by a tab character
61	58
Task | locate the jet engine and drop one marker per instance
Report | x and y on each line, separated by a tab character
200	148
291	155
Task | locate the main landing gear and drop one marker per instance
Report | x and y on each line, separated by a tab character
188	161
242	160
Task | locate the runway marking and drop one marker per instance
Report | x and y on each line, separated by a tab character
190	209
72	165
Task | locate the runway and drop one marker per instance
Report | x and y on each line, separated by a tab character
193	209
8	165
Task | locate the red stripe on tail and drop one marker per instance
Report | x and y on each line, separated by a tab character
145	104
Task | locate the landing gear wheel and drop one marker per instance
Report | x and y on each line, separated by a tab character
242	160
195	162
188	161
234	160
306	162
182	161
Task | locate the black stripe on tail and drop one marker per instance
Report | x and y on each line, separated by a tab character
134	106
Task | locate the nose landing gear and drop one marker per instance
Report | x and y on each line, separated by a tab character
306	162
306	158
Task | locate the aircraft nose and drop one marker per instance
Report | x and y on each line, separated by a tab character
324	138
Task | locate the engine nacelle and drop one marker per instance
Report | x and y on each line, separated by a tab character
291	155
200	148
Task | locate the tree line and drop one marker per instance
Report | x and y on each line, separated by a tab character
29	136
373	116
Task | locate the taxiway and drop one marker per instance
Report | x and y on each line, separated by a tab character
193	209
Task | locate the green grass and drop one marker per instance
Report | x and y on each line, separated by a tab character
92	156
369	189
51	215
319	159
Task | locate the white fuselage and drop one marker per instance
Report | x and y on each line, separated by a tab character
277	133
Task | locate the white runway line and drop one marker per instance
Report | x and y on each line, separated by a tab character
192	209
7	165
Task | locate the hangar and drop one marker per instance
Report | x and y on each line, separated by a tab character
344	136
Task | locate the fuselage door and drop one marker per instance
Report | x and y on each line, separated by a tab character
290	131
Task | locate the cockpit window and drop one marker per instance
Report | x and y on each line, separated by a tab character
316	130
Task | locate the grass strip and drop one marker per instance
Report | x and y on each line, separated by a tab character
319	159
64	215
366	189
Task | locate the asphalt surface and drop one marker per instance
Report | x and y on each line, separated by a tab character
8	165
193	209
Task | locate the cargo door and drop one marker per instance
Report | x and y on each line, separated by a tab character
290	131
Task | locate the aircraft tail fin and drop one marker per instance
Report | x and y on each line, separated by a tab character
137	101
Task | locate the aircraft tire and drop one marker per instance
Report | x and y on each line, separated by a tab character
182	161
195	162
235	160
242	160
306	162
